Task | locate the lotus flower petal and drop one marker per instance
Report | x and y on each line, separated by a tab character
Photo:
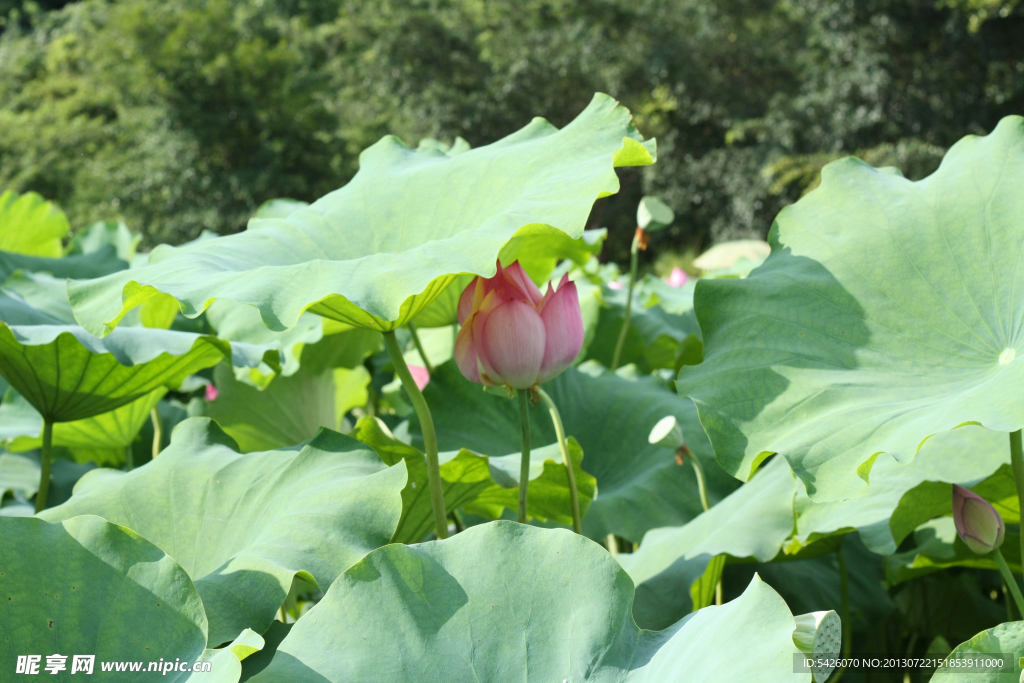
512	344
678	278
523	287
563	330
420	375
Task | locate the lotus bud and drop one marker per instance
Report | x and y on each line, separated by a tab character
211	393
678	278
512	335
979	525
667	433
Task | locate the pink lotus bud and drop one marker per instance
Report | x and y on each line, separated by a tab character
513	336
211	393
420	375
616	285
979	525
678	277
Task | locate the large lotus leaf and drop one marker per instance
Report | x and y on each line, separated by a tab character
556	608
887	311
377	251
902	496
95	264
753	521
640	485
31	225
111	594
290	410
103	438
243	526
242	323
43	293
479	484
19	474
103	235
68	374
1007	639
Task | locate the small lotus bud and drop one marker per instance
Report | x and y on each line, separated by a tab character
667	433
979	525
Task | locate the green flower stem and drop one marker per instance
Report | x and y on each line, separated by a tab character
1017	460
419	347
129	458
1008	577
570	474
702	486
844	590
524	465
158	431
44	465
429	436
634	252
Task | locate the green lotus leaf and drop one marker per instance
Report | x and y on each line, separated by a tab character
244	526
1005	638
752	522
640	485
902	496
19	474
279	208
226	663
31	225
289	411
376	252
68	374
479	484
103	439
104	234
242	323
98	263
112	594
428	613
887	311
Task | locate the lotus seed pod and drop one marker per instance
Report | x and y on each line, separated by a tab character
817	635
667	433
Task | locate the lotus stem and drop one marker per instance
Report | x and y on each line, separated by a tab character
429	436
419	347
1017	460
570	474
44	465
1009	578
847	627
702	487
612	544
634	253
129	458
524	465
158	431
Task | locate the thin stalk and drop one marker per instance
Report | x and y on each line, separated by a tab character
1017	460
129	459
524	465
1010	580
612	544
634	252
158	431
429	436
844	589
570	475
1010	612
419	347
702	486
44	465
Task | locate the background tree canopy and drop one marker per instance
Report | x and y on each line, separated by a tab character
184	115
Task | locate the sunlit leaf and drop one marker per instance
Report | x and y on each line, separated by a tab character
31	225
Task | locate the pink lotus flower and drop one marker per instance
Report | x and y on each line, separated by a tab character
211	393
616	285
678	277
513	336
979	525
420	375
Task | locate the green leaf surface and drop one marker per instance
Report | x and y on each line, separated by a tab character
112	594
558	609
19	474
640	485
95	264
99	236
482	485
289	411
243	526
68	374
937	546
752	522
102	438
887	311
377	251
1005	638
31	225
